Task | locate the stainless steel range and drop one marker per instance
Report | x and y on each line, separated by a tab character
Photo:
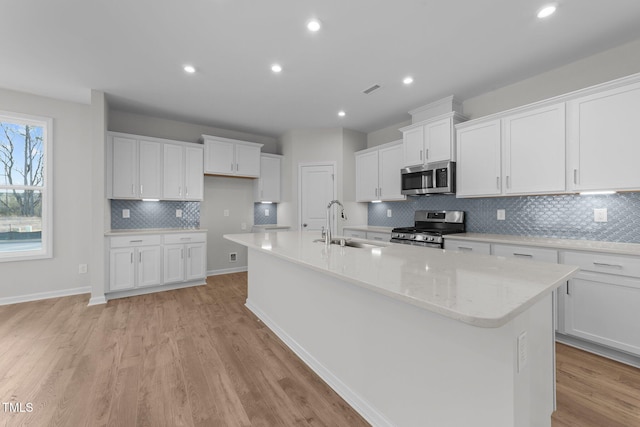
429	228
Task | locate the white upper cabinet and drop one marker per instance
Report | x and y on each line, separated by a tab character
183	178
522	153
479	157
430	141
225	156
267	187
135	168
604	140
534	151
378	173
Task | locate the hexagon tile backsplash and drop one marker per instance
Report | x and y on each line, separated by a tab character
568	216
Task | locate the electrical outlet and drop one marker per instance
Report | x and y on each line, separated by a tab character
178	213
600	215
501	214
125	213
233	256
389	213
226	212
522	351
82	269
266	212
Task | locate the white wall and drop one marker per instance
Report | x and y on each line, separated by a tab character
320	145
388	134
73	178
602	67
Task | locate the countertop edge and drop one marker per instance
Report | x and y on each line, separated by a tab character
153	231
552	243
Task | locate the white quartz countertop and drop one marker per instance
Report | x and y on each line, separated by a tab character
480	290
153	231
547	242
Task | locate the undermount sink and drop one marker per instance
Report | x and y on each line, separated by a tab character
351	243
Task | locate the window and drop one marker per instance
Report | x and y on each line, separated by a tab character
25	187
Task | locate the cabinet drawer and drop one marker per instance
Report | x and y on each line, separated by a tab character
467	246
172	239
526	252
355	233
372	235
610	264
134	240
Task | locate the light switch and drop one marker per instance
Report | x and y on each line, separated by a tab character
389	213
266	212
125	213
178	213
226	212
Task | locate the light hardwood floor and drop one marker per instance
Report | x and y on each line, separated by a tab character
198	357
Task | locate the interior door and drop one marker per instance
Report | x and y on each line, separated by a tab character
317	189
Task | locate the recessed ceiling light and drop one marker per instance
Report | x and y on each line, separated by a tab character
276	68
547	11
408	80
314	25
341	113
189	69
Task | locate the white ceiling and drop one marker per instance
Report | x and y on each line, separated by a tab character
135	50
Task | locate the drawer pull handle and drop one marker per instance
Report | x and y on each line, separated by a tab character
523	255
465	248
185	238
604	264
135	241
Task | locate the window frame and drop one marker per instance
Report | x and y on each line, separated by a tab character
46	250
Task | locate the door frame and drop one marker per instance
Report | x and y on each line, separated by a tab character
334	166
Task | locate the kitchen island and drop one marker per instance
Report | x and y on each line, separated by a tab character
413	336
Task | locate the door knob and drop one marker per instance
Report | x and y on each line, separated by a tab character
304	225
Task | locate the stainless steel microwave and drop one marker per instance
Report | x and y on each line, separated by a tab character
432	178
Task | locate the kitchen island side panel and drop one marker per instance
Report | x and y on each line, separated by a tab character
401	365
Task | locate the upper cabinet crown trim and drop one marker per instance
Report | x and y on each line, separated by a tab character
152	138
234	141
457	117
566	97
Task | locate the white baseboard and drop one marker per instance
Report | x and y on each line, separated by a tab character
98	300
358	403
153	289
226	271
45	295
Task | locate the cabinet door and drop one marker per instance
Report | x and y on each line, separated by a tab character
194	175
172	188
438	142
173	265
604	309
148	265
478	166
534	151
121	269
269	181
604	140
413	146
196	261
219	157
367	176
125	168
150	167
247	160
389	178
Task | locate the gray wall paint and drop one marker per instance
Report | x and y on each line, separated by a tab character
73	183
236	196
388	134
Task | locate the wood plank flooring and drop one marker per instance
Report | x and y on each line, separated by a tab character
198	357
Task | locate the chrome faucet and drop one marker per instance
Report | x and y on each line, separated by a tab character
327	231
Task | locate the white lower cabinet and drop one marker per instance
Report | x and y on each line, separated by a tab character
134	262
525	252
360	234
467	246
378	235
185	257
601	302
